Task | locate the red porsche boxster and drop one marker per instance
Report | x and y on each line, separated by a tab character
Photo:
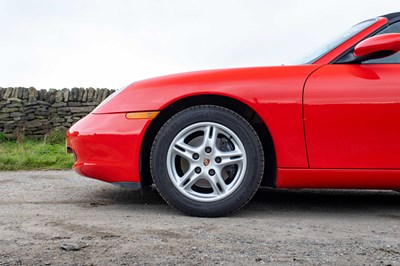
209	139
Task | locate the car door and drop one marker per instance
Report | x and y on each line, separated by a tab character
352	114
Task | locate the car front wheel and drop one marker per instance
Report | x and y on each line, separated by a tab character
207	161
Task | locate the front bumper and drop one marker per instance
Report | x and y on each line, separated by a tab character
107	147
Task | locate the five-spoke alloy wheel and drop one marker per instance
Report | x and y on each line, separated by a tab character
207	161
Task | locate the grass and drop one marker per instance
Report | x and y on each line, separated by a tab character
25	154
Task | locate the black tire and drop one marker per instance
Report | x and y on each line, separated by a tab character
248	171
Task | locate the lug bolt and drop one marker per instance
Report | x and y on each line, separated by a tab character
211	172
197	170
218	160
208	149
195	156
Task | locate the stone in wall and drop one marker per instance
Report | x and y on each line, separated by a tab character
80	94
32	94
11	111
58	97
2	90
65	93
7	93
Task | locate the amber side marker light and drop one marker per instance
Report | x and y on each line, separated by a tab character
142	115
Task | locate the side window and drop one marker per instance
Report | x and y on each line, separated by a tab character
393	59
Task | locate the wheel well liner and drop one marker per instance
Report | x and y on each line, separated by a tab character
237	106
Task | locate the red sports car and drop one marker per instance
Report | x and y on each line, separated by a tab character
209	139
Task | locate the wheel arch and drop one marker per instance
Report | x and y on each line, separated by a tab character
269	178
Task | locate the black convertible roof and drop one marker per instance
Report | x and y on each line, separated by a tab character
392	17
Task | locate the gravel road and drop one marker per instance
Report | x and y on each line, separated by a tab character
58	217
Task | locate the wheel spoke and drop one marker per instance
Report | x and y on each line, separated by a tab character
217	184
210	137
189	178
230	158
184	150
218	178
214	186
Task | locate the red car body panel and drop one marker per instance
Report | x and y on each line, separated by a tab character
267	90
352	117
107	146
339	178
378	43
332	126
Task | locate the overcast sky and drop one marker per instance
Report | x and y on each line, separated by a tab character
110	43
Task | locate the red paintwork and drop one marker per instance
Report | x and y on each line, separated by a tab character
352	116
338	178
384	42
267	90
332	126
107	146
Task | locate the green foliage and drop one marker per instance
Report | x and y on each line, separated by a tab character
35	155
55	137
2	137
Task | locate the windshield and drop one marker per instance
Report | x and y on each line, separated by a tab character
329	46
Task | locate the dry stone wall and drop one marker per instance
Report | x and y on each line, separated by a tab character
34	113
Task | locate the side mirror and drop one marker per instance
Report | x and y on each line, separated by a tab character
377	47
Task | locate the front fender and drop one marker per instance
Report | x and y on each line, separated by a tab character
274	93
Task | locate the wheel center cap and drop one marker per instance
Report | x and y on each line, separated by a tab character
206	162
